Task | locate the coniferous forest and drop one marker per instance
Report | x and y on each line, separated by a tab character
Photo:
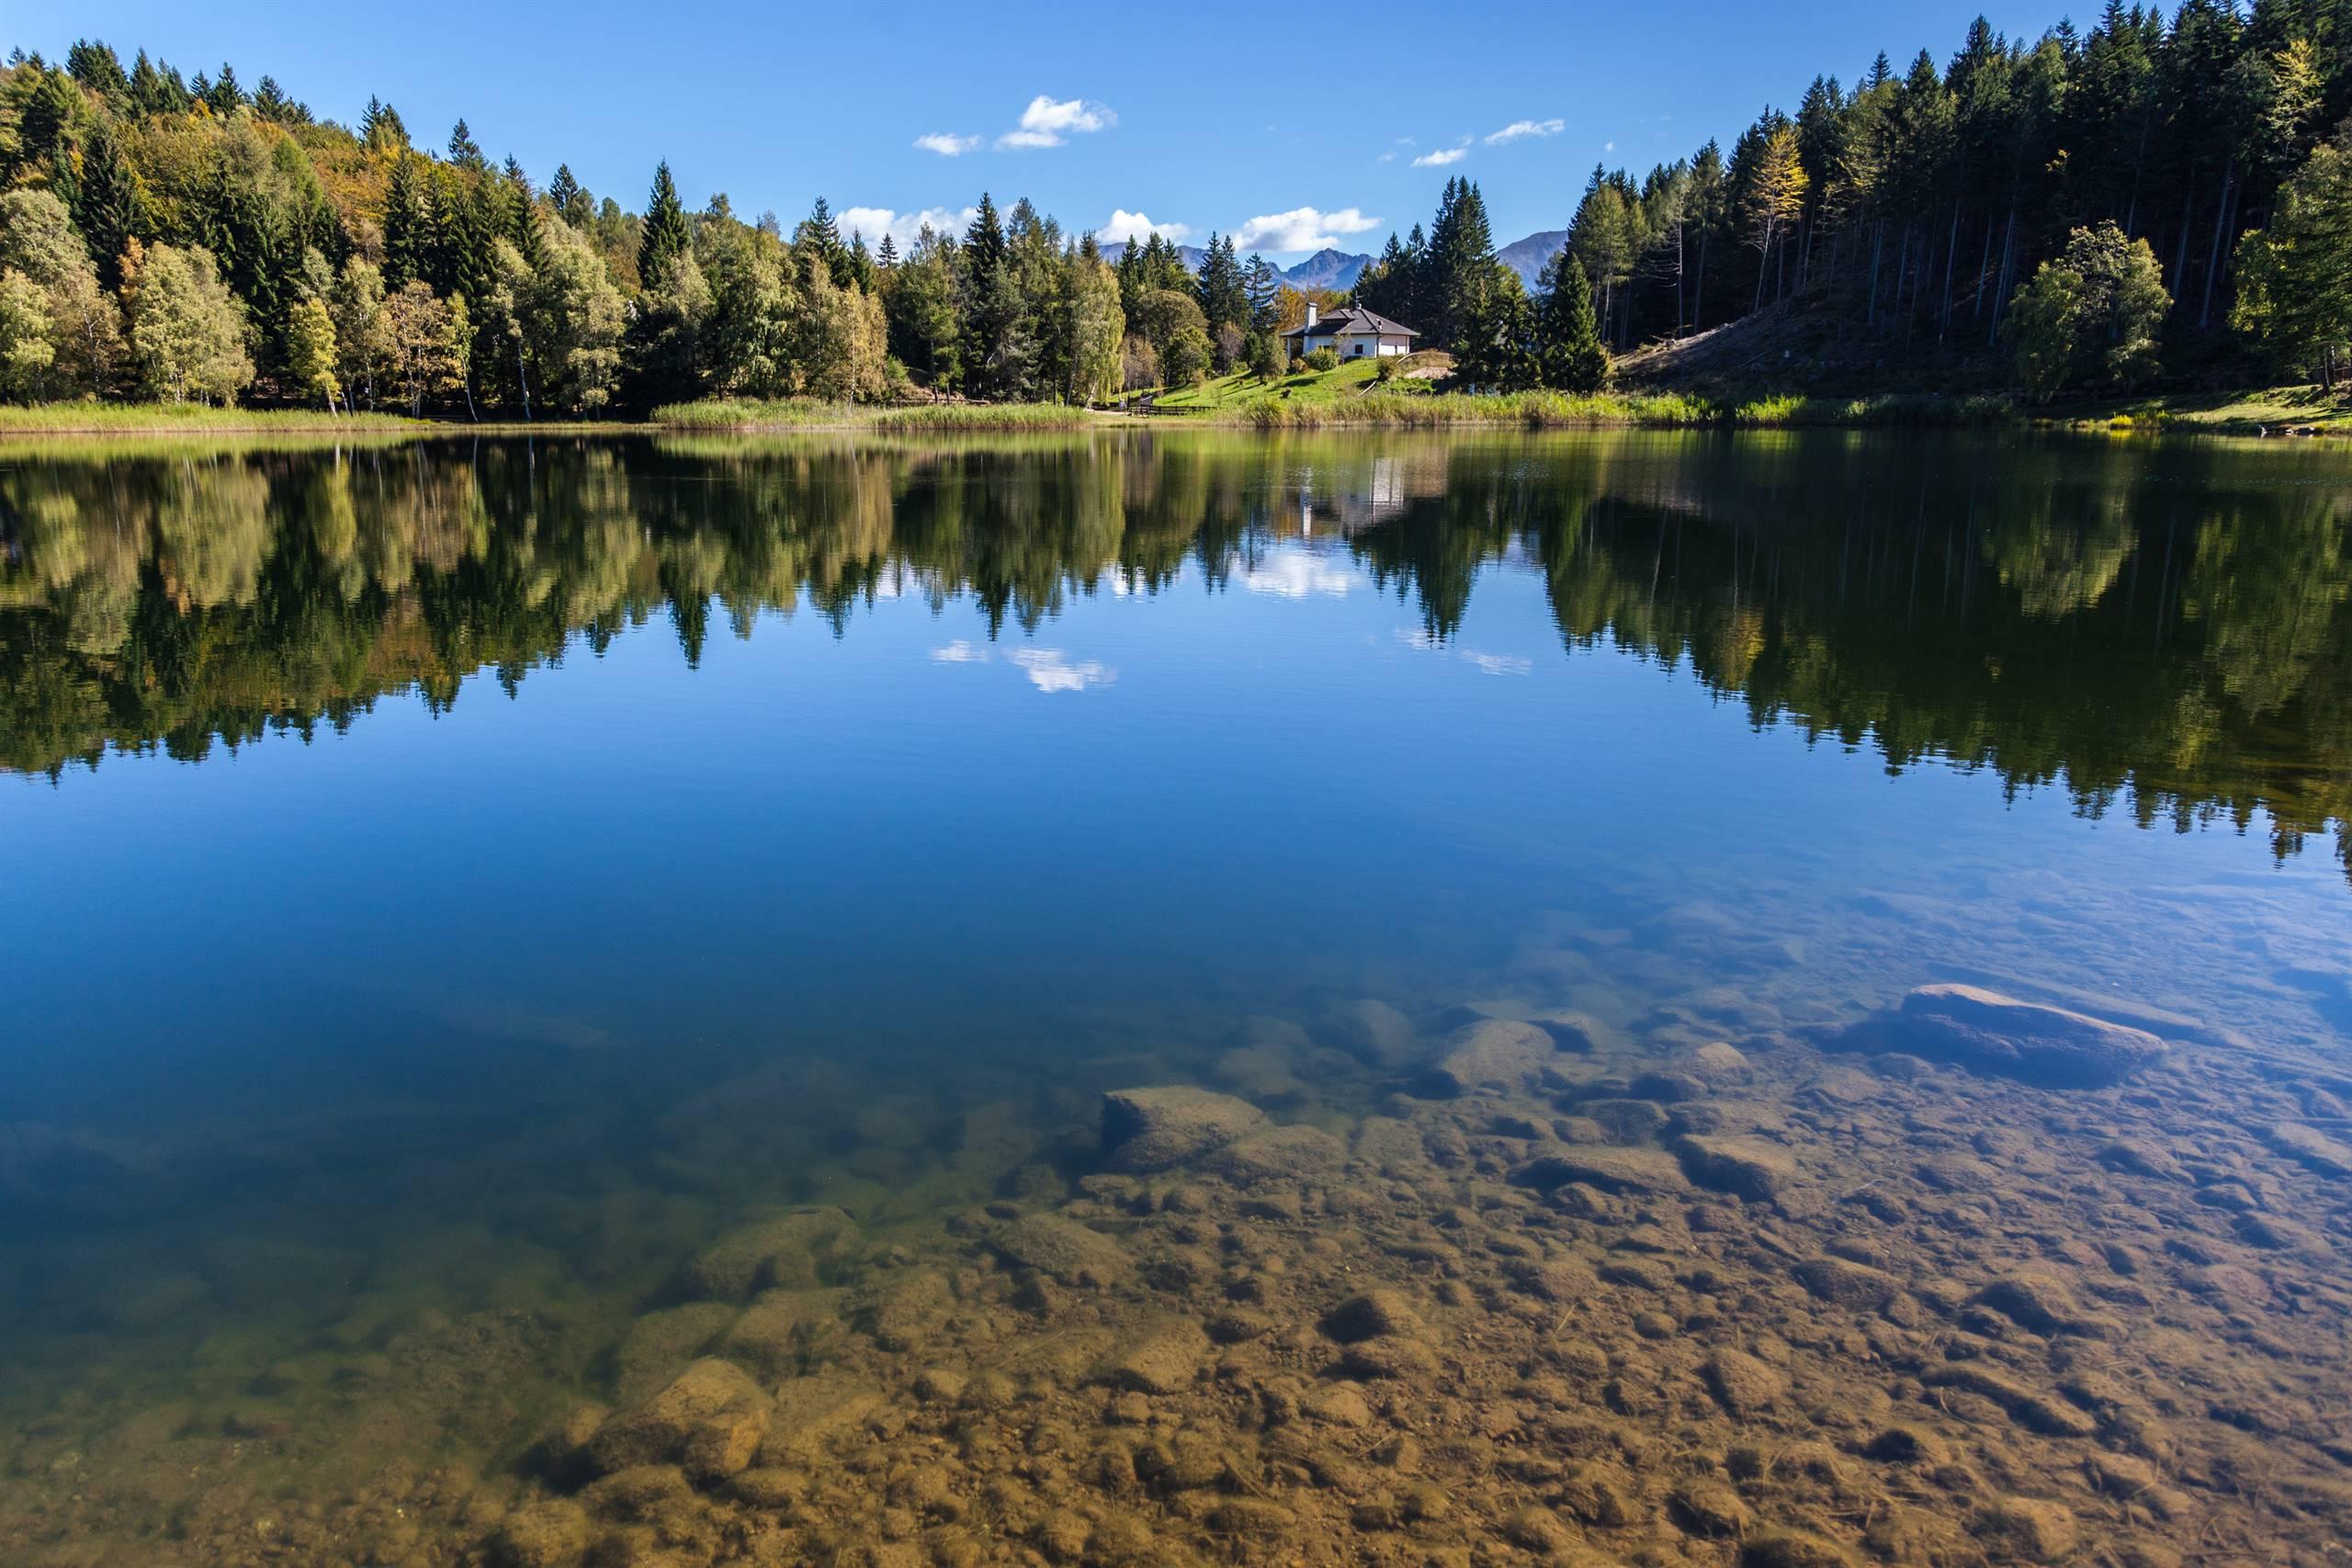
2164	200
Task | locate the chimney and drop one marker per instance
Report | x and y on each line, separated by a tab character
1310	315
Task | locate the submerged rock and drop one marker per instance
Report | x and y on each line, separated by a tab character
1372	1315
1274	1154
1749	1167
1063	1249
1156	1129
1492	1054
1745	1386
2001	1036
1611	1168
708	1422
783	1250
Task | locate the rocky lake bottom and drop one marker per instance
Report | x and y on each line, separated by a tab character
1973	1280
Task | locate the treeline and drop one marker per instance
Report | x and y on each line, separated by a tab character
2189	178
1909	209
2159	196
183	238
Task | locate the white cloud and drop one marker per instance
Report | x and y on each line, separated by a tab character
1297	574
1520	127
1440	158
959	652
1300	229
1609	147
1050	669
902	227
1124	225
1047	122
946	144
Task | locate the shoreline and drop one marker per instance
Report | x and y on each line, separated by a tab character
2249	414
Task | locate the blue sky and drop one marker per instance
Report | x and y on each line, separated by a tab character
1294	128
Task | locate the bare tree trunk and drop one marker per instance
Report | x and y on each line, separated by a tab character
2001	282
1878	249
1763	267
523	378
2213	260
1976	298
2180	249
1951	249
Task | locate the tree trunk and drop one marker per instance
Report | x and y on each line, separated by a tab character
1763	267
523	377
1951	249
1977	295
2001	279
2213	260
1878	250
2180	249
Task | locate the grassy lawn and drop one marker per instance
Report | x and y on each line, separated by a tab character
1352	378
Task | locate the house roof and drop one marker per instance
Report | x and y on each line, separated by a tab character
1354	319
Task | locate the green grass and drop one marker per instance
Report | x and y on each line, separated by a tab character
2241	412
804	413
89	418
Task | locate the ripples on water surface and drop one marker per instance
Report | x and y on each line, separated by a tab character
561	1000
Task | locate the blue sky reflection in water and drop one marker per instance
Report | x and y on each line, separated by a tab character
1045	769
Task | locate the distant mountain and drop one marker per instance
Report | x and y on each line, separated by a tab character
1530	256
1325	269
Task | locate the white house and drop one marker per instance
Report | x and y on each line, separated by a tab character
1353	333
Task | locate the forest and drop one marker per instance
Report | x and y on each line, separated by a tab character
2160	201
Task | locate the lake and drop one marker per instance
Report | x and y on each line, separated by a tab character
562	995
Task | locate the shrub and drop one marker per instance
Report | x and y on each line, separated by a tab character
1385	370
1325	358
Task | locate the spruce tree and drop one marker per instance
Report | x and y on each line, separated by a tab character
464	150
1568	355
887	258
408	223
113	207
666	236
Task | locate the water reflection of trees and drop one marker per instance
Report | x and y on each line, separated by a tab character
2163	630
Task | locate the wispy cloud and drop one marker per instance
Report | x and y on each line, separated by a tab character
1049	121
1520	127
947	145
902	227
1050	669
959	652
1486	663
1124	225
1440	158
1500	663
1300	229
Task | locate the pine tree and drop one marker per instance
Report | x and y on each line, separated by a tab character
408	226
96	67
464	150
887	258
112	207
1568	354
666	236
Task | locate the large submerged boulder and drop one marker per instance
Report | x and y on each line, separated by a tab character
708	1421
2001	1036
1495	1053
1157	1129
